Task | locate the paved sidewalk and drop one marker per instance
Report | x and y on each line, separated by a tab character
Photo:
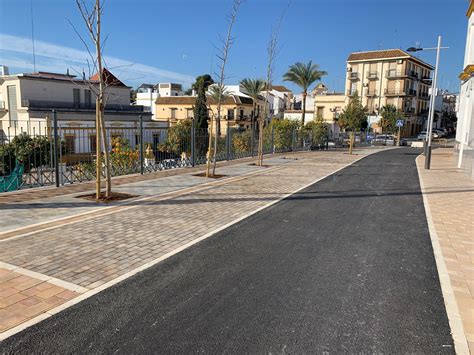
450	196
90	253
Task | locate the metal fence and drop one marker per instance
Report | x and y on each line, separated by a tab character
34	154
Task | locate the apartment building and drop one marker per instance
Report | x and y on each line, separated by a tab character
236	110
465	124
394	77
27	101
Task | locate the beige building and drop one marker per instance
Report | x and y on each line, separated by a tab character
394	77
236	110
328	106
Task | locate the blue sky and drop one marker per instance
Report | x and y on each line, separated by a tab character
173	40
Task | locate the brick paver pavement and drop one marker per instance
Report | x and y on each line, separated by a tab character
90	252
450	195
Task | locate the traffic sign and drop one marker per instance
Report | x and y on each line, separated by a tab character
400	123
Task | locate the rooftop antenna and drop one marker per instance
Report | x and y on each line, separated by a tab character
417	45
33	36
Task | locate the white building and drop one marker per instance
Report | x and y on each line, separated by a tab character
27	102
465	124
148	93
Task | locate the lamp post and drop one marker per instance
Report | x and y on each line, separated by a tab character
429	128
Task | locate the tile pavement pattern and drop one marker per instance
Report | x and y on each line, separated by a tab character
450	195
23	297
92	252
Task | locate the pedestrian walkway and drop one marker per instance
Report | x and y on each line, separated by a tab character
85	254
449	193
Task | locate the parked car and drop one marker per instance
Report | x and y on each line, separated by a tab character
384	139
441	132
422	135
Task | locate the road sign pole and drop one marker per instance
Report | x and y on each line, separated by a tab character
398	138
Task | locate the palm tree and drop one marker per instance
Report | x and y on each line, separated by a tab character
253	88
304	75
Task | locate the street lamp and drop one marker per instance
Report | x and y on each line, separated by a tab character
429	128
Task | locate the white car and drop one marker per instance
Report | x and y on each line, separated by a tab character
422	135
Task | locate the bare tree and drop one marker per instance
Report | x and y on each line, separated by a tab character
91	15
272	50
222	57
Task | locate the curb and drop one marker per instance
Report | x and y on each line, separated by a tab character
452	310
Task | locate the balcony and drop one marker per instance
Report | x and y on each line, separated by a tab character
413	74
394	92
426	80
71	106
394	74
411	92
371	92
354	76
424	96
351	93
373	75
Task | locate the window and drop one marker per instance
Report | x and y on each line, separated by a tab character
87	98
241	114
173	113
320	111
76	95
353	88
189	113
92	142
70	147
230	114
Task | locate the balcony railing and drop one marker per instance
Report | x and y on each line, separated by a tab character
426	80
372	75
371	92
354	76
60	105
392	74
395	92
413	74
412	92
424	96
351	92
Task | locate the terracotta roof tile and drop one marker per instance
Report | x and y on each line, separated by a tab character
280	88
384	54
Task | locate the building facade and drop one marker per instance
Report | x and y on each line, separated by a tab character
393	77
465	124
27	102
236	110
328	106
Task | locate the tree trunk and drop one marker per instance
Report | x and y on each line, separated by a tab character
108	168
260	143
351	142
98	150
209	149
214	155
108	179
304	109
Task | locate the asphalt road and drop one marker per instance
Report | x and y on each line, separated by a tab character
345	265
